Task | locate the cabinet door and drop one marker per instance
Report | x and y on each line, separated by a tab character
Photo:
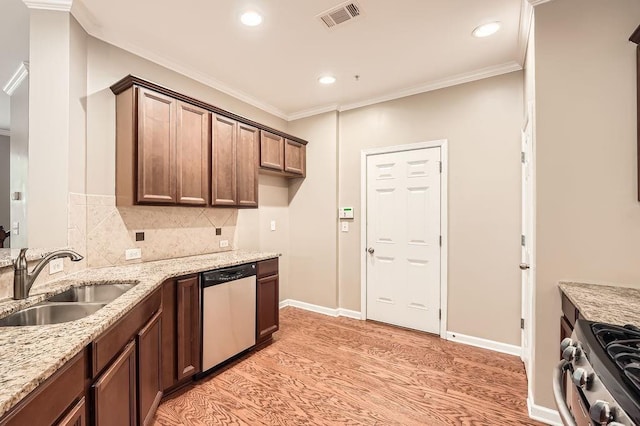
188	327
268	307
192	148
223	162
156	148
247	157
271	151
114	393
77	415
294	157
149	341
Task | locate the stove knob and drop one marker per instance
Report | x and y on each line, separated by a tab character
572	353
600	413
566	342
582	379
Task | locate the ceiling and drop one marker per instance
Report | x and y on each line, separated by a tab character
14	48
397	48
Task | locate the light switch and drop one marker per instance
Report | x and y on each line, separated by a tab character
345	226
15	227
273	225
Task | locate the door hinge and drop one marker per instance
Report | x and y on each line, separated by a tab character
523	240
523	157
440	240
522	323
439	314
440	162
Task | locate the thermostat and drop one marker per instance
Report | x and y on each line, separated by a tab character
345	213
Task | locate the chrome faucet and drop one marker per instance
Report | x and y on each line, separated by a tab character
23	280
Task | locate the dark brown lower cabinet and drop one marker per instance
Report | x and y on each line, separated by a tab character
267	300
77	416
180	331
114	393
148	342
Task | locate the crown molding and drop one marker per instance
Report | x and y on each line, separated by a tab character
311	112
16	79
59	5
537	2
439	84
5	132
114	40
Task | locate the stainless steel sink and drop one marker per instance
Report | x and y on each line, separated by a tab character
51	313
93	293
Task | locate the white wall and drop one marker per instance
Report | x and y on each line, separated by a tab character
20	162
588	215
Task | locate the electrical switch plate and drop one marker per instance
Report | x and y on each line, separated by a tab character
273	225
131	254
224	243
55	266
345	226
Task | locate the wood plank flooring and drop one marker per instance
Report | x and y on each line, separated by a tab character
339	371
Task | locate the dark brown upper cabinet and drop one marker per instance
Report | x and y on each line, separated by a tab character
282	156
162	150
234	178
173	149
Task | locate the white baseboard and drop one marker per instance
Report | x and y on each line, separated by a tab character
543	414
339	312
484	343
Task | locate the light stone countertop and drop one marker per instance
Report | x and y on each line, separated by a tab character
8	254
31	354
605	303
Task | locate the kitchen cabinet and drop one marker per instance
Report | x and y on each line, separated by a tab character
77	416
282	156
234	163
162	150
568	319
58	400
148	343
180	331
114	393
267	300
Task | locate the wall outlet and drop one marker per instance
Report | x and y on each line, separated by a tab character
345	226
15	227
224	243
55	266
131	254
273	225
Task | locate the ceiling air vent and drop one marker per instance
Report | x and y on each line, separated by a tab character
340	14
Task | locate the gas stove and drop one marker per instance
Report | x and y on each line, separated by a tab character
602	367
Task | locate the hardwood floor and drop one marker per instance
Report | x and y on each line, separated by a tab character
339	371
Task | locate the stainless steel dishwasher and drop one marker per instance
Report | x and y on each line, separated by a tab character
228	313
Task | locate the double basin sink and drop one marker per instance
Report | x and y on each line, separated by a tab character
70	305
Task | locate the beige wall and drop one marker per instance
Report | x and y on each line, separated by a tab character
313	213
481	121
20	161
5	177
77	106
48	128
588	215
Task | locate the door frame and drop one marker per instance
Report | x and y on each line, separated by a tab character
444	228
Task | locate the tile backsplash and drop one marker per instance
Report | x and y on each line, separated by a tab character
107	230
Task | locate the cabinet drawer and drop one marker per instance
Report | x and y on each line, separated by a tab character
267	267
569	310
111	342
52	399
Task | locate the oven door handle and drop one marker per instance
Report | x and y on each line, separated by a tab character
558	393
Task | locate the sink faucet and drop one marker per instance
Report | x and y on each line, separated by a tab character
23	280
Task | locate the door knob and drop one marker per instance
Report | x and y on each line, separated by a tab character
370	250
524	266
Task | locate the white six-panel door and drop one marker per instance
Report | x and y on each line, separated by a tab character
403	238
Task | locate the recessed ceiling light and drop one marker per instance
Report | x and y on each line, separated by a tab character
327	79
486	30
251	18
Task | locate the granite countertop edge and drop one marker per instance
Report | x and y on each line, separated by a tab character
32	354
605	303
